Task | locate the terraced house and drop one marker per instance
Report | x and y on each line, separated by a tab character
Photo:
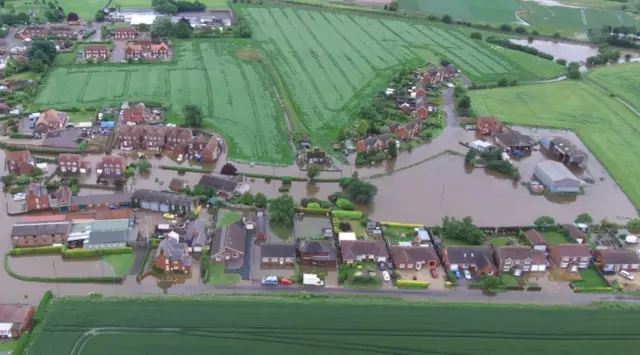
111	167
154	138
130	137
62	32
146	50
32	32
177	138
203	148
72	164
96	52
125	33
19	162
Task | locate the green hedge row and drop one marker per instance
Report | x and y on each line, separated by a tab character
355	215
93	279
87	253
186	169
322	211
38	250
273	177
326	180
21	343
20	136
42	306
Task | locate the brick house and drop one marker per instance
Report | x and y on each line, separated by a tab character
39	234
134	113
421	88
16	319
130	137
36	197
63	32
447	72
196	145
146	50
96	52
278	255
377	143
422	108
489	125
72	164
111	167
433	76
317	252
153	138
574	232
363	250
19	162
60	200
50	120
125	33
177	138
536	239
172	256
413	257
178	184
574	257
409	130
229	244
476	258
526	259
33	31
618	259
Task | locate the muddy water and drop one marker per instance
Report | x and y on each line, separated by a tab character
569	51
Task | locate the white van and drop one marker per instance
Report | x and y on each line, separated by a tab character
627	275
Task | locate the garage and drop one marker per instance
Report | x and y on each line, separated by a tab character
164	207
144	205
454	267
160	201
538	268
154	206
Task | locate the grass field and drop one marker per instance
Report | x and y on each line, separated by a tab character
609	129
235	95
292	326
622	80
576	18
86	9
554	238
120	264
145	4
494	11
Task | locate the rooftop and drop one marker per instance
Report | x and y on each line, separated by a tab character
27	229
555	171
163	197
278	250
101	199
511	138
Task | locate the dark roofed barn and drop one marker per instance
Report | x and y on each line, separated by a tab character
514	140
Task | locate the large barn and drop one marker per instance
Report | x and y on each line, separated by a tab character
556	177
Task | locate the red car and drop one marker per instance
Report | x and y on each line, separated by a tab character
286	282
434	274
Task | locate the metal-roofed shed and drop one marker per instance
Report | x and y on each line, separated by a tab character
556	177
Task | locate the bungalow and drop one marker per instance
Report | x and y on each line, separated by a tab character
489	125
413	257
422	108
96	52
97	202
72	164
221	184
377	143
536	239
196	236
39	234
124	33
511	140
408	131
176	138
278	255
36	197
618	259
172	256
229	243
163	201
570	256
50	120
15	319
363	250
130	137
525	259
153	138
317	253
19	162
476	258
110	167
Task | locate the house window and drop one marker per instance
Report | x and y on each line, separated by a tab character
409	266
401	266
265	260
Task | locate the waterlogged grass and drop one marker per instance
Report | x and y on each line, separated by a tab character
291	326
235	95
120	264
609	129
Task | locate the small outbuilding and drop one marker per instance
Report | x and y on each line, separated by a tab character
565	150
556	177
511	140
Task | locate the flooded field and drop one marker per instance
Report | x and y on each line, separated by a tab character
55	266
568	51
310	226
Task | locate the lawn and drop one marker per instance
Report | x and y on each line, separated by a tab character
7	345
348	326
120	264
554	238
399	234
217	277
86	9
609	129
591	278
235	95
228	218
69	58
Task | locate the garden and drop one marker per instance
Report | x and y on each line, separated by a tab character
359	275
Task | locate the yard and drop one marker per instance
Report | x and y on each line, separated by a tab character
554	238
69	58
217	277
398	234
591	278
587	111
228	217
121	263
503	241
362	275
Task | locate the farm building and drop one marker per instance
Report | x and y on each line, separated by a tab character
108	234
556	177
489	125
566	151
163	201
511	140
15	319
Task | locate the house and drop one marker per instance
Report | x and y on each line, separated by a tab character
316	156
15	319
476	258
564	150
229	243
278	255
178	184
99	201
163	201
525	259
377	143
408	131
422	108
220	183
111	167
570	256
125	33
153	138
4	108
413	257
39	234
62	32
134	114
32	32
19	162
618	259
317	252
489	125
146	50
305	142
36	197
60	200
177	138
204	149
536	239
421	88
96	52
261	224
72	164
172	256
556	177
50	120
196	236
363	250
130	137
433	76
574	232
108	234
511	140
447	72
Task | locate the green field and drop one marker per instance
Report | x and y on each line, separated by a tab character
235	95
493	11
622	80
574	18
292	326
608	128
86	9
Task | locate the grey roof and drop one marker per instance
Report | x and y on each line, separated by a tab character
101	199
261	220
218	182
554	170
163	197
230	236
318	247
512	138
468	255
278	250
178	182
514	253
196	233
412	254
106	237
567	147
173	250
27	229
111	225
371	141
352	248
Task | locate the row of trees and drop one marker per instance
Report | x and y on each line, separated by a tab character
172	7
40	56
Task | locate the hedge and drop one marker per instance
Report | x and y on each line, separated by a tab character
326	180
87	253
402	225
186	169
21	343
322	211
476	285
347	214
96	279
412	284
273	177
42	306
20	136
592	289
154	243
38	250
88	34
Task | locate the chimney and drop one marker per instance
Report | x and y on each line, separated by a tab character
472	255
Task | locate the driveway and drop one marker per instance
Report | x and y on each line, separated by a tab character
425	275
258	272
551	287
138	259
449	108
117	54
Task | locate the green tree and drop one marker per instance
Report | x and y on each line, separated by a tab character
462	230
192	116
492	282
161	27
361	192
392	150
584	218
544	221
143	27
344	204
281	211
260	200
447	19
313	171
476	35
182	30
42	49
246	199
471	156
503	82
99	16
144	166
632	225
82	147
464	105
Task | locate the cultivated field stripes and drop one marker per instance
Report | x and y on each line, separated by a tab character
484	55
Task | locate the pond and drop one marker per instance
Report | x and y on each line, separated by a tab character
559	50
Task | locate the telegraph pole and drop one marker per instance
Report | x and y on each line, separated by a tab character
55	273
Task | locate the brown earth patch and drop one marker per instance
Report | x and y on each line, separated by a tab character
249	54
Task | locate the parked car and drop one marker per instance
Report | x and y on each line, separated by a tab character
467	275
434	273
609	272
270	280
286	282
457	274
180	157
386	276
382	265
169	216
112	207
626	274
19	196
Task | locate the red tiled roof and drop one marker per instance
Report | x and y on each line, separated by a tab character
17	155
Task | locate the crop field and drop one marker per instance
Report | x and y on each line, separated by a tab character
494	11
576	18
145	4
609	129
330	62
86	9
234	94
290	326
622	80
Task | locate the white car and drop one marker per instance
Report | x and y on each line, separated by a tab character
171	125
19	196
386	276
179	158
467	275
627	275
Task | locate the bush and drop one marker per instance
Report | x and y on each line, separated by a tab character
476	35
86	253
313	205
561	61
344	204
37	250
401	225
44	302
412	284
353	215
20	136
182	169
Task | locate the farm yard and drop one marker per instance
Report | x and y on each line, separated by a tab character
234	94
288	325
608	128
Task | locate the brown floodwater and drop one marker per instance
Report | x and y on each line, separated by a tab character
570	52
